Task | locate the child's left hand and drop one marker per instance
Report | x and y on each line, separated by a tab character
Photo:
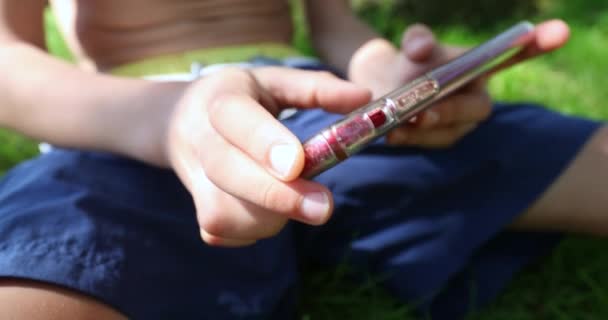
381	67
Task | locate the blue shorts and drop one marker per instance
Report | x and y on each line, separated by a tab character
431	223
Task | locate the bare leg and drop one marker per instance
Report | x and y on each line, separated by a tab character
578	200
21	299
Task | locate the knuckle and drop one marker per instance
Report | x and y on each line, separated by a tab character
211	224
269	195
257	150
212	219
316	84
182	125
272	197
273	229
217	104
450	111
213	163
267	69
326	75
235	73
446	114
180	133
210	240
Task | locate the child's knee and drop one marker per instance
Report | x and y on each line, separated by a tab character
23	299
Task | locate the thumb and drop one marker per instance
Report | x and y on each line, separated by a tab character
311	89
548	36
418	43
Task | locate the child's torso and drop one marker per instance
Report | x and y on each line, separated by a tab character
106	33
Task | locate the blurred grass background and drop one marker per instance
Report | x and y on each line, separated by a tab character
569	284
572	283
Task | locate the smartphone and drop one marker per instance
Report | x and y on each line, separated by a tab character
359	128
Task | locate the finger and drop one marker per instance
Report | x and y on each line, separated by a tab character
477	85
235	173
426	119
224	242
247	125
547	36
434	138
462	108
239	220
223	217
418	43
454	110
311	89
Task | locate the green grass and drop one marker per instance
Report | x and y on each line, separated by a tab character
569	284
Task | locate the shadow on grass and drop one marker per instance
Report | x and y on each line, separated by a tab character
335	294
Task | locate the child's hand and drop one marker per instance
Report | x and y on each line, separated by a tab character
240	164
382	68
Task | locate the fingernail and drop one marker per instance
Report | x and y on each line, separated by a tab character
283	158
315	206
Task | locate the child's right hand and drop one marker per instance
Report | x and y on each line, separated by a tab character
240	164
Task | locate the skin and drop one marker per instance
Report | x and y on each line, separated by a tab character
171	124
